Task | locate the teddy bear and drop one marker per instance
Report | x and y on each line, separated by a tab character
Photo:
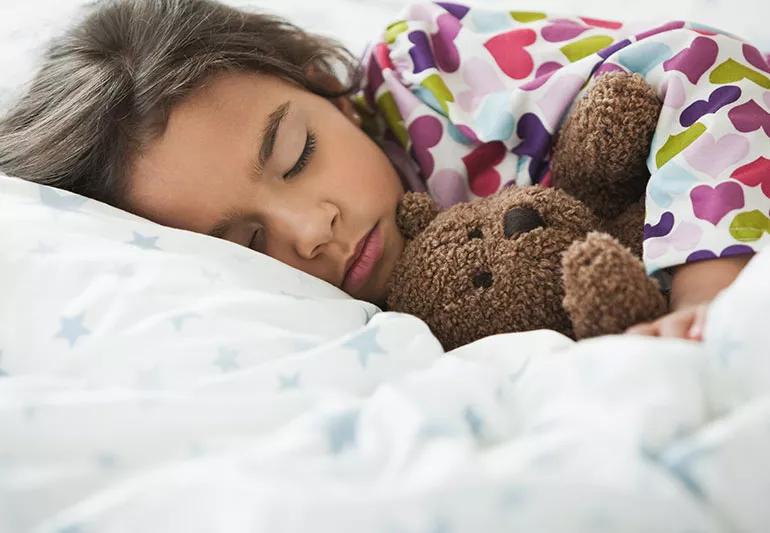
565	257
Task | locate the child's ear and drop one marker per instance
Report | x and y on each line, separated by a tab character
415	212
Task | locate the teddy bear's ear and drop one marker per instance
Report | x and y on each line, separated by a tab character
415	211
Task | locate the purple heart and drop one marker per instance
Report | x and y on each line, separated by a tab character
713	203
668	26
604	53
542	75
749	117
422	56
754	57
694	60
562	30
735	249
425	132
443	43
717	99
536	141
608	67
662	228
456	10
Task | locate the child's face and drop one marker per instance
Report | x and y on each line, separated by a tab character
199	176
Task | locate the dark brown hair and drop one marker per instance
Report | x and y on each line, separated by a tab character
107	85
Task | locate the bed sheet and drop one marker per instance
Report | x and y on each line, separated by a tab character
172	411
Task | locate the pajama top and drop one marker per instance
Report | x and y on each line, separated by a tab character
466	101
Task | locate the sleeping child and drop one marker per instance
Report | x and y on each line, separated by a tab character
245	127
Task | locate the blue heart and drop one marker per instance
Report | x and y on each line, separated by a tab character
493	122
457	135
643	57
668	181
489	21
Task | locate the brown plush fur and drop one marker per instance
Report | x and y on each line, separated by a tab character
598	157
531	258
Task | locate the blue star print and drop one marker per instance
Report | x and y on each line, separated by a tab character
72	528
72	329
342	431
226	360
144	242
63	201
365	344
179	320
107	460
474	421
289	382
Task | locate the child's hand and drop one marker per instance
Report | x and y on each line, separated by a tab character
686	323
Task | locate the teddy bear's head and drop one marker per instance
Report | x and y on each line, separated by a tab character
489	266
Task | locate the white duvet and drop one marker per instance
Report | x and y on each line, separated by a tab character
156	380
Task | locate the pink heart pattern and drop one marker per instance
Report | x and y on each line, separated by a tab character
562	30
713	157
512	90
482	79
750	117
755	173
694	60
480	165
508	51
713	203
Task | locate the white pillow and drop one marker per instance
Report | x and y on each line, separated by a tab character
88	290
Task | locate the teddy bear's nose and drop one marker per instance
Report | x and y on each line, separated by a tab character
520	220
482	279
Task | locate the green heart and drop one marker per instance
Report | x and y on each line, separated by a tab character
394	30
527	16
731	71
586	47
749	226
389	109
440	91
677	143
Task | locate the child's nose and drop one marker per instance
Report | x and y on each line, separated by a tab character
312	228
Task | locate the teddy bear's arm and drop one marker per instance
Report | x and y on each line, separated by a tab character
606	288
600	153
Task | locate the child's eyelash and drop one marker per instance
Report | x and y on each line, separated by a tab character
310	146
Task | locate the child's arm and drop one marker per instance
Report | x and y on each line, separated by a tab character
693	287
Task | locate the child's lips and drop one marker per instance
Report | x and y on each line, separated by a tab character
361	263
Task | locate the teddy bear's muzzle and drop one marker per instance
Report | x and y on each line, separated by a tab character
521	220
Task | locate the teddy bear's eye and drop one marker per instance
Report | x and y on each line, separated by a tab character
520	220
475	233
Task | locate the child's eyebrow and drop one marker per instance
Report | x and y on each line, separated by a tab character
223	226
268	138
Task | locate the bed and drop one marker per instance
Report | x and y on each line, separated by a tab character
153	379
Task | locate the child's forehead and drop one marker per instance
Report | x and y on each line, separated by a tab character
240	84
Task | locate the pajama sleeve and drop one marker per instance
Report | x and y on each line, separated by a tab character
471	98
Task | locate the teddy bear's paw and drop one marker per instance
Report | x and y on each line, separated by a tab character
606	287
415	212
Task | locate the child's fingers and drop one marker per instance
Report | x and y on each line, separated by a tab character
676	324
645	328
696	329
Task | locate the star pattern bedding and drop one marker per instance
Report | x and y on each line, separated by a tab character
150	380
